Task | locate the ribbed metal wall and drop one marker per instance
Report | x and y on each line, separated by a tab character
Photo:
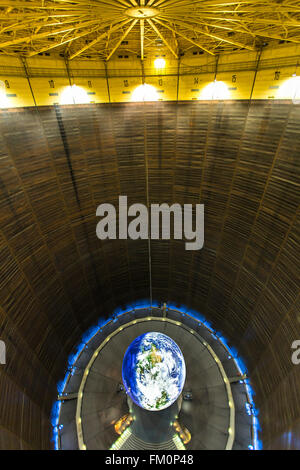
58	164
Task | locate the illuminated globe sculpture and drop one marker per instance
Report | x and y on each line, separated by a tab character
153	371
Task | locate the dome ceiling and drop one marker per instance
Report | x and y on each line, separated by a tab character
101	28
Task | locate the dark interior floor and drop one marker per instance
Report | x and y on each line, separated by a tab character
206	416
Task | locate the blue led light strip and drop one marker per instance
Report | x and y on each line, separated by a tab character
257	444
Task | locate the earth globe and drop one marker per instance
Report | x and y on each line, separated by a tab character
153	371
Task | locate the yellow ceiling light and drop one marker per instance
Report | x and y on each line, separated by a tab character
74	95
215	91
159	63
290	89
3	99
145	92
98	28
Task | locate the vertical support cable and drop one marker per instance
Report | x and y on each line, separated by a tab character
69	76
146	170
148	206
142	32
255	75
23	60
143	72
178	76
216	68
68	71
107	82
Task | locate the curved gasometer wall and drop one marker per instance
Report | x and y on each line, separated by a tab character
239	159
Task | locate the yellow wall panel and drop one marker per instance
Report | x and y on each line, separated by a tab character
191	86
235	69
18	86
97	92
240	86
166	87
121	93
44	95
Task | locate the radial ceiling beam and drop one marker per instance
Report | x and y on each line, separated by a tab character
274	36
244	20
213	3
265	7
45	34
38	25
36	16
169	3
123	2
117	3
122	39
67	41
248	31
142	31
179	33
107	40
211	25
109	3
162	38
214	36
31	22
56	5
92	43
176	43
112	4
17	26
142	34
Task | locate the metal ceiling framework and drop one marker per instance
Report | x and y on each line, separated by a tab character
100	28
